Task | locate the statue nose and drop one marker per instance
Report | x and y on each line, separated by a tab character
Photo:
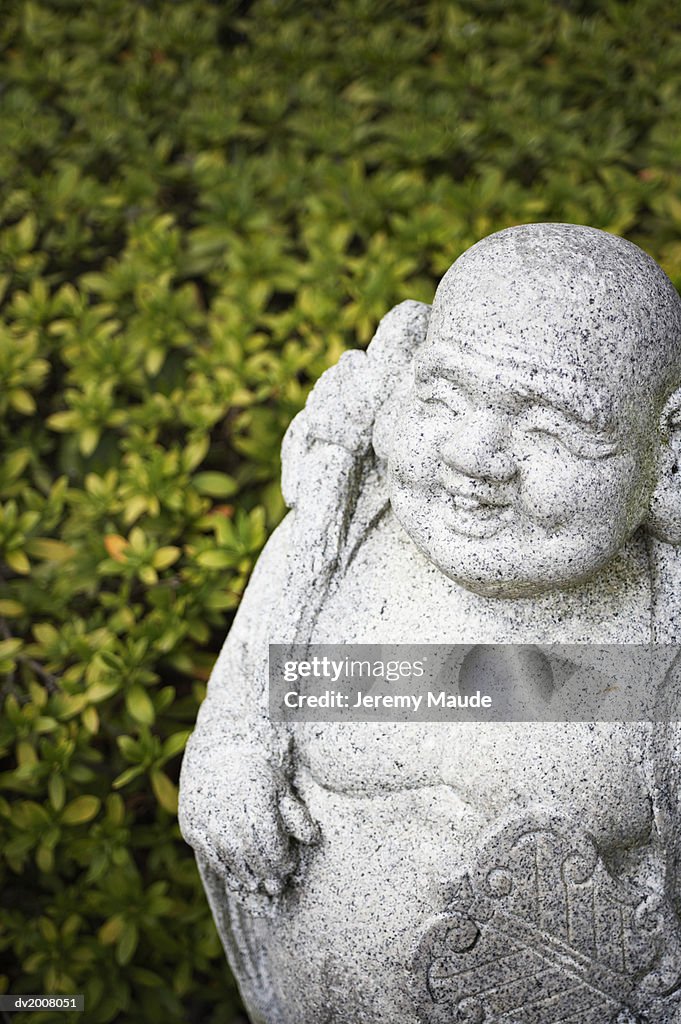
478	449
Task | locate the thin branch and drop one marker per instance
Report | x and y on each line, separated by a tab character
51	682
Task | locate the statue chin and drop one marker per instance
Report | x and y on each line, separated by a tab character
509	588
490	567
520	585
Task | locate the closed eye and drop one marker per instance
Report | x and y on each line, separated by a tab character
579	438
440	391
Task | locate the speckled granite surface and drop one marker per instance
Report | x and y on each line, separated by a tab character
501	468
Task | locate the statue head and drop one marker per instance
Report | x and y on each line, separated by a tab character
541	428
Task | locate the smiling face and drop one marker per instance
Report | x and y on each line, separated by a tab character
507	484
524	456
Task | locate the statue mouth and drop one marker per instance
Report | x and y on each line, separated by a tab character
473	515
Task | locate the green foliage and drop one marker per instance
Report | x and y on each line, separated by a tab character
202	205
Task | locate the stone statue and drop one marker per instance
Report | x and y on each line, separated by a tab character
499	468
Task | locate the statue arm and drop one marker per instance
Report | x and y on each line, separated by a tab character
237	807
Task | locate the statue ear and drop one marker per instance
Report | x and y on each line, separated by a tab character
391	356
664	520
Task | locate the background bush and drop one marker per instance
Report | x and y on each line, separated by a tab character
201	205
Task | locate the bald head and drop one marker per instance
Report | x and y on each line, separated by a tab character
564	296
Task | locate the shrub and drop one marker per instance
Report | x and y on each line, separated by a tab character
202	205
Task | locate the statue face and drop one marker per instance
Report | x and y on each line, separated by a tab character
515	475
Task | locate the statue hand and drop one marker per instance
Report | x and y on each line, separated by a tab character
341	407
245	821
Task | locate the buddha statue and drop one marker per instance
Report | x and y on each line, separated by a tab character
501	468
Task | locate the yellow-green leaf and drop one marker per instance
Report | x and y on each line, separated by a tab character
111	930
57	791
26	231
164	790
50	550
148	575
10	647
16	463
89	439
134	509
18	561
175	743
127	944
100	690
139	705
195	452
45	633
165	557
215	559
216	485
154	361
26	754
66	420
138	539
11	609
80	810
90	720
44	858
22	401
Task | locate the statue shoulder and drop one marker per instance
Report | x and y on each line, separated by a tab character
353	404
333	460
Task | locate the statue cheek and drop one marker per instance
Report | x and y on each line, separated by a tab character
415	442
584	497
552	500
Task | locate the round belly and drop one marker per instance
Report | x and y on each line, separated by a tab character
591	772
391	859
351	925
369	758
587	770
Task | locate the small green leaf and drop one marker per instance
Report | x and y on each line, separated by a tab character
10	647
62	421
11	609
57	791
111	930
127	776
50	550
216	485
164	790
165	557
127	944
139	705
215	559
80	810
89	439
18	561
195	453
22	401
44	858
176	743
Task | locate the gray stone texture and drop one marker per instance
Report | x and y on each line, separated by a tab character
501	468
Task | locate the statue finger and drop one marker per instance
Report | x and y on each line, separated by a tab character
270	854
297	820
210	853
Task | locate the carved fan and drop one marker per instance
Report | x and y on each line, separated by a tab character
539	932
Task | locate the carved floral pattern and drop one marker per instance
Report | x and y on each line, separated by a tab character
539	932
